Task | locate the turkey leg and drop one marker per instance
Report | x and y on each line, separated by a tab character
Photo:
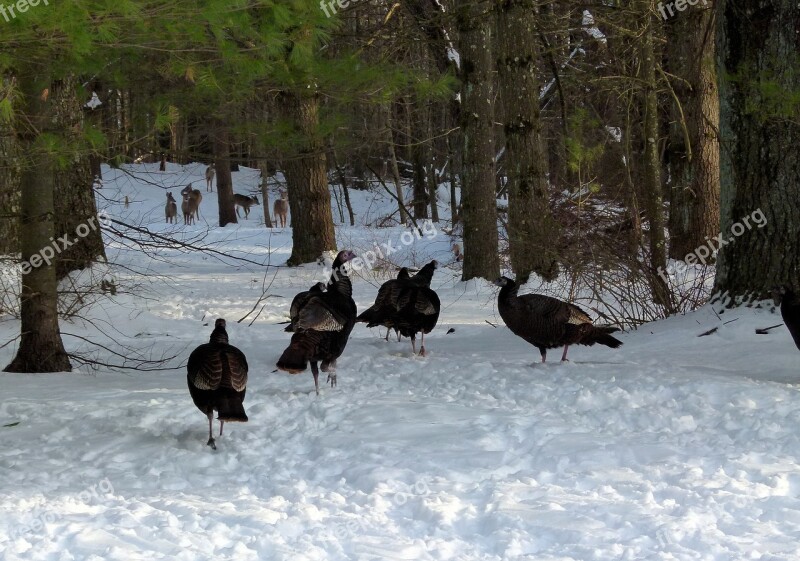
210	431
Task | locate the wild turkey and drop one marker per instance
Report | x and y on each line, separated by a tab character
379	312
323	326
300	300
790	310
547	323
217	377
407	305
418	307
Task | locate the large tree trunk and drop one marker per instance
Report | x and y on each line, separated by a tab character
307	183
694	146
533	232
41	348
479	207
75	205
222	163
651	166
9	181
757	45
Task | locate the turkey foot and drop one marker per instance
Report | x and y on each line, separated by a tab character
422	351
332	379
212	443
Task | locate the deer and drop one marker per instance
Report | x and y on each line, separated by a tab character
281	209
193	197
245	202
171	209
210	172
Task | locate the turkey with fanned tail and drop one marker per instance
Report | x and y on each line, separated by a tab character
323	326
217	377
547	322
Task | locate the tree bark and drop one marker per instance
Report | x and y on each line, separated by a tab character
262	166
222	163
533	232
75	205
757	46
651	167
479	206
307	183
41	348
694	146
9	181
394	168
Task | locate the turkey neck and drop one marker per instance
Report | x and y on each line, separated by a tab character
425	276
219	335
508	291
339	280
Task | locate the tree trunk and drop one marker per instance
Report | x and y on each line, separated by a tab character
262	166
307	183
533	232
651	167
41	348
757	45
9	181
75	205
479	207
222	163
394	168
694	146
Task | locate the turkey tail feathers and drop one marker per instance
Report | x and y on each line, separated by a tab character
602	335
231	410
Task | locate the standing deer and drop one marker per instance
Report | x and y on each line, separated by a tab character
210	172
281	209
245	202
171	209
195	197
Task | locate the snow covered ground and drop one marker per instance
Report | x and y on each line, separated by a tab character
671	447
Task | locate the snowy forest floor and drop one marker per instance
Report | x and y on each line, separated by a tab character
671	447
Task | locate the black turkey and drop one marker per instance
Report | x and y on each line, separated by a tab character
418	308
547	323
379	312
323	326
407	305
217	377
300	300
790	310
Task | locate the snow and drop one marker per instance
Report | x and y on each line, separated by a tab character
591	29
94	102
671	447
